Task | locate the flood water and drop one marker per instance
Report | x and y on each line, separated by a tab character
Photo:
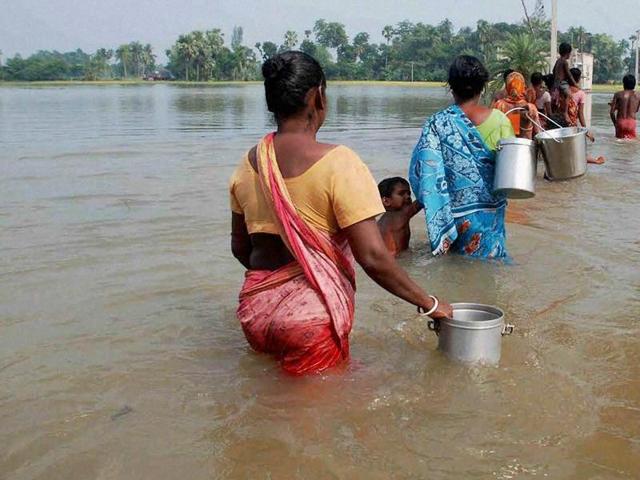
120	353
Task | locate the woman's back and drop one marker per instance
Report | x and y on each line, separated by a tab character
296	153
334	192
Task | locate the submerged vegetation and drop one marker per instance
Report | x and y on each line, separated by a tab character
409	52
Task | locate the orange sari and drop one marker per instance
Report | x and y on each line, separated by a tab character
303	312
516	89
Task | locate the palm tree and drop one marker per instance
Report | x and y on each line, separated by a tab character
201	51
136	55
387	33
523	53
123	54
243	58
148	57
485	38
290	40
360	44
187	51
215	42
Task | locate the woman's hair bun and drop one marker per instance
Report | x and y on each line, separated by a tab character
288	77
467	77
272	67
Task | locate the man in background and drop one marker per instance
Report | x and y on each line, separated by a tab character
624	107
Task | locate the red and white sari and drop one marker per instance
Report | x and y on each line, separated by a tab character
301	313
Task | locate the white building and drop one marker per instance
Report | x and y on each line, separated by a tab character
584	61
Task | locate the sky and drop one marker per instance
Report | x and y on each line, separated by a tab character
30	25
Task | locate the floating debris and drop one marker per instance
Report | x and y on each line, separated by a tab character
122	412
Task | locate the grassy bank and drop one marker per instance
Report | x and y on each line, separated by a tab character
362	83
606	88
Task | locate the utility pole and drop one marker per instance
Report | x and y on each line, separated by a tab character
412	70
554	34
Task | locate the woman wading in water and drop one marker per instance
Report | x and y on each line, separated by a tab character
453	166
299	210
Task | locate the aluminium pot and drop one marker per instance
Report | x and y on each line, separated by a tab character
564	151
473	335
516	168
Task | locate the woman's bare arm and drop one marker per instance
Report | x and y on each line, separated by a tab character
372	255
240	240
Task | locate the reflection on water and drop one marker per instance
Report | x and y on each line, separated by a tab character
120	354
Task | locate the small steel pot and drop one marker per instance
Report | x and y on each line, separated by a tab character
474	334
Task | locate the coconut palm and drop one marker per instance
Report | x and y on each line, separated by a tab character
149	58
360	44
186	50
521	52
137	52
215	43
123	54
201	51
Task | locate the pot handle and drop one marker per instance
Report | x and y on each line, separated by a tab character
507	329
434	326
552	121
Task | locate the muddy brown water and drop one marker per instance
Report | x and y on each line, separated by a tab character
120	354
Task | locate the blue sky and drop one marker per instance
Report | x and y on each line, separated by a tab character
30	25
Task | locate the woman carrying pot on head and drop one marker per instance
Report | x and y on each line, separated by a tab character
301	211
453	165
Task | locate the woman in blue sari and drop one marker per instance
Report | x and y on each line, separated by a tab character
452	169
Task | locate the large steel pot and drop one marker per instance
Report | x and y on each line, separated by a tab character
564	152
516	168
474	334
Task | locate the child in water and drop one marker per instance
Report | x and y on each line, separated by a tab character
394	223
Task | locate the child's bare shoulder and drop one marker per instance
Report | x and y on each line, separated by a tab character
393	218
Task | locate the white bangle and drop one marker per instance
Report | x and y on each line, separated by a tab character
436	303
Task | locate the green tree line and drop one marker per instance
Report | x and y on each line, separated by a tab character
131	60
409	51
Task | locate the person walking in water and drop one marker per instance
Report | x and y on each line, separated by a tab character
624	107
576	113
301	211
394	223
453	166
540	96
517	107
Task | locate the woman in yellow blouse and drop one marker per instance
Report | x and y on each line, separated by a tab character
301	211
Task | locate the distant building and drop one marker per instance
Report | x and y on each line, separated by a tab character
584	61
160	74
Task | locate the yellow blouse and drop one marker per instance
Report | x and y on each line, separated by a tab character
335	192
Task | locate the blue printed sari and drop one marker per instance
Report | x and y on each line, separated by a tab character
451	174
